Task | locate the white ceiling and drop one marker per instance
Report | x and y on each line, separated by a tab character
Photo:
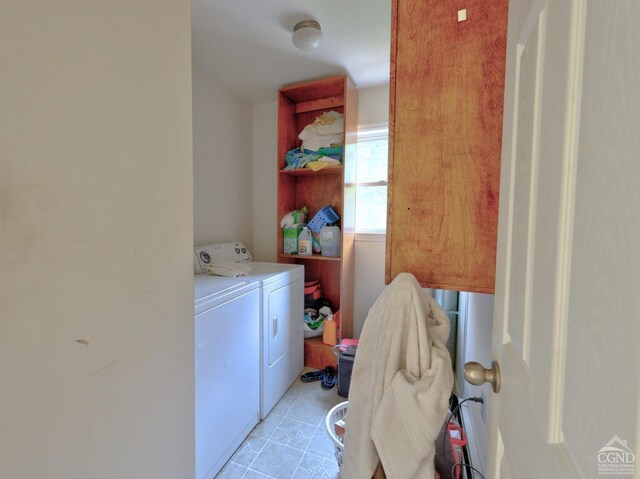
245	45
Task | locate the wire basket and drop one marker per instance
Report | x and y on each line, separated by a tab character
336	413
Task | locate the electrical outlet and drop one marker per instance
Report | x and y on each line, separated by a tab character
483	406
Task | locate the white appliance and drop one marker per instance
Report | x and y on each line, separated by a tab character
282	306
227	375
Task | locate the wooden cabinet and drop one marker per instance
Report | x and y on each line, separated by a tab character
445	132
298	106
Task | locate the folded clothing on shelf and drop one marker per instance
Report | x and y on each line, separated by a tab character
326	130
298	158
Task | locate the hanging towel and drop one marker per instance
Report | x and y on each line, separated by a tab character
228	269
400	387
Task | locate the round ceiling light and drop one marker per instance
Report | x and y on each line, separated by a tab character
307	35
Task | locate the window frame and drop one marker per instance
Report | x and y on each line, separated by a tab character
371	132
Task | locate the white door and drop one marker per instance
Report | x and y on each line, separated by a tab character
567	308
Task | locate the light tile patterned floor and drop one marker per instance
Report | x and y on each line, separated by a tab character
292	442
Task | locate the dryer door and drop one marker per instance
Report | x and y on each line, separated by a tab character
280	321
283	339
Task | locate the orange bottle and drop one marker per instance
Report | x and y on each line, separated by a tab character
330	335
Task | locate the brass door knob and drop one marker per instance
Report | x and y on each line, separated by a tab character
477	375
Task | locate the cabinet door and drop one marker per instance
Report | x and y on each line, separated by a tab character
445	141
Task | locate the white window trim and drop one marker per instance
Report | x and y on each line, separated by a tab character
373	237
372	131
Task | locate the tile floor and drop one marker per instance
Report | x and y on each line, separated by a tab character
292	442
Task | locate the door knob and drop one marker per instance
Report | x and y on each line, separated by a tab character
477	375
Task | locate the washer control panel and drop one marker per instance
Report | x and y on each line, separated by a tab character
206	255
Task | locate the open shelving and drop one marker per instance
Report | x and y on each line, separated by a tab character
298	106
335	170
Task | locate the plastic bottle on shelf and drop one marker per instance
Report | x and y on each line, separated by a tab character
330	334
305	242
330	241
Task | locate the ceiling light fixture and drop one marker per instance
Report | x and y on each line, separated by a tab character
307	35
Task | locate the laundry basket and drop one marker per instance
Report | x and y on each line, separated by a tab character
336	413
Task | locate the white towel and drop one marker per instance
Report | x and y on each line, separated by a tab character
400	387
228	269
326	130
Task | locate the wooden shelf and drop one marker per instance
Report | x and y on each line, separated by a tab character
316	257
329	170
320	104
299	105
318	355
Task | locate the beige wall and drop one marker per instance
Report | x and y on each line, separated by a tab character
96	240
373	105
369	277
265	178
222	164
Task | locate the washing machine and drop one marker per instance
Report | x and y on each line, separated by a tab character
227	371
282	311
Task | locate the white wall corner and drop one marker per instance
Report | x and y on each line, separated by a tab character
265	181
223	163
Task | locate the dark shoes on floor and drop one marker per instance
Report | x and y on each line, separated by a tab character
328	376
312	376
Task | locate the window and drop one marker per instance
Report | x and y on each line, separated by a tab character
371	179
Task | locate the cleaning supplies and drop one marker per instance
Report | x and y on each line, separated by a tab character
323	217
290	238
304	242
293	218
330	241
330	334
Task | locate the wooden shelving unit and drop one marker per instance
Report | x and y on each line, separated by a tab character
298	106
315	257
336	170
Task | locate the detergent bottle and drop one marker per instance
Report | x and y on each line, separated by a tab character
305	243
330	241
330	334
